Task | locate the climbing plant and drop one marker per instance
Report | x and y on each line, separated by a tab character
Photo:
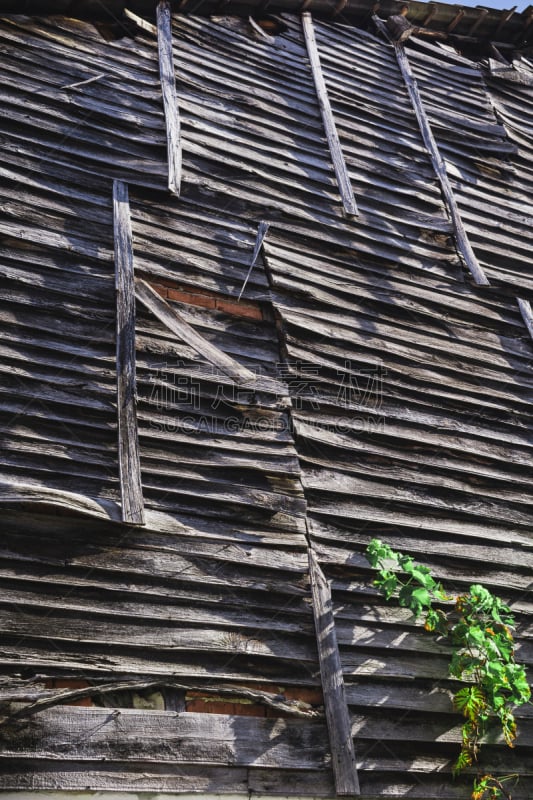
479	626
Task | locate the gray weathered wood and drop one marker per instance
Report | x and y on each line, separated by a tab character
461	237
463	244
170	100
340	736
167	737
175	322
337	157
527	314
128	438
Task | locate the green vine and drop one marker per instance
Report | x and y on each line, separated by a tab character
479	626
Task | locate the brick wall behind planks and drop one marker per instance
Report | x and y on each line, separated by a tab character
203	298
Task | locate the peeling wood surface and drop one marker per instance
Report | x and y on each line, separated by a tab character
170	99
213	740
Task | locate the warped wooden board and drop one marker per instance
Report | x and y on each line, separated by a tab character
167	555
348	452
239	619
100	662
417	499
328	477
365	512
206	642
489	553
421	356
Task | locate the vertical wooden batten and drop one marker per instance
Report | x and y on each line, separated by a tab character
170	100
128	438
343	179
337	715
527	314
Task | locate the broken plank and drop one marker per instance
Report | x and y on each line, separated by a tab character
176	323
337	716
261	234
128	438
339	164
170	100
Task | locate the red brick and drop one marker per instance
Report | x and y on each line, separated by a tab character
67	683
211	705
312	696
161	290
192	298
237	309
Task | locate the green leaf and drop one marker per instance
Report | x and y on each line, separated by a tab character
414	599
387	583
470	701
377	552
463	761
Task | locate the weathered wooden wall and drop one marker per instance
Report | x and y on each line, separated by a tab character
388	396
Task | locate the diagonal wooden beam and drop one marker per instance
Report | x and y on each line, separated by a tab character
463	244
128	437
175	322
170	100
339	165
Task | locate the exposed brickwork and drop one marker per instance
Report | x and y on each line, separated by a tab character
203	298
68	683
208	704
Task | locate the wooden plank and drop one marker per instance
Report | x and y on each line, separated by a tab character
89	637
176	323
170	100
166	737
338	720
20	493
205	780
141	22
128	438
339	164
527	314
